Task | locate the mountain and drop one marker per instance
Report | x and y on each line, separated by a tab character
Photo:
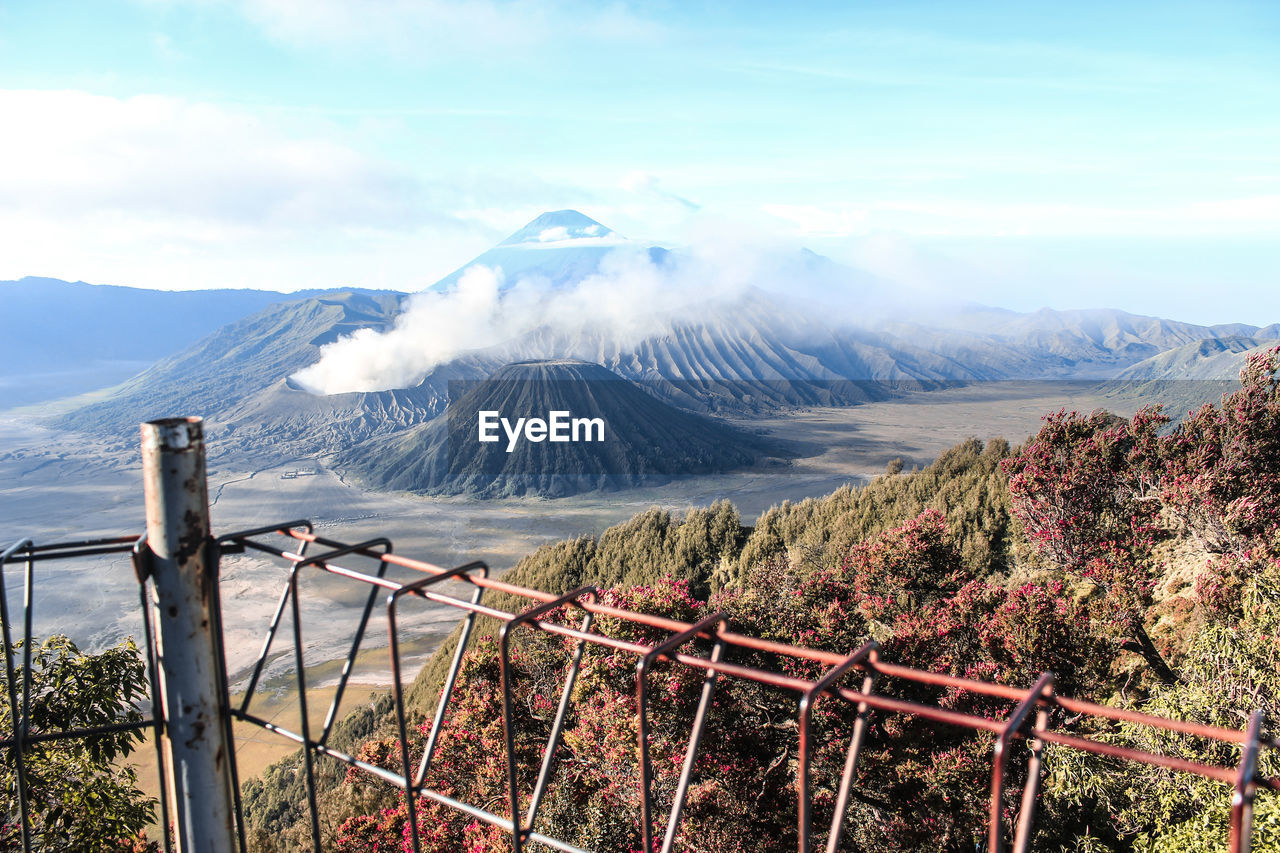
757	357
770	347
237	379
1186	377
55	323
1091	343
559	226
556	249
1208	359
611	435
63	338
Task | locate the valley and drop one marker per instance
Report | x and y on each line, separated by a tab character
742	388
704	362
59	485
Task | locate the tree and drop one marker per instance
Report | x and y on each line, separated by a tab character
931	564
80	796
1228	672
1087	486
965	484
920	786
1222	483
1086	489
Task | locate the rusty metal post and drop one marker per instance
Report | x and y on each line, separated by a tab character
183	569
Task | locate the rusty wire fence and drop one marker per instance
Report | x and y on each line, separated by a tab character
367	565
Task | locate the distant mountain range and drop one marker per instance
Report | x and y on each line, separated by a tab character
63	338
237	378
1209	359
761	351
1187	377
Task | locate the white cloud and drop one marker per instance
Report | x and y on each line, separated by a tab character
1252	212
429	29
628	299
161	191
1243	216
165	49
647	184
67	153
819	221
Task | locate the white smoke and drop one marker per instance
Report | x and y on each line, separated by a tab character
628	299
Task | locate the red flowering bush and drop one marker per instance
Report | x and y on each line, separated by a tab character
1086	489
917	780
1222	482
1222	476
904	569
1093	494
1086	486
926	784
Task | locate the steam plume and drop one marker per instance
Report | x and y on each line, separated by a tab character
631	297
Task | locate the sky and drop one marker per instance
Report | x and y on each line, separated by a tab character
1069	155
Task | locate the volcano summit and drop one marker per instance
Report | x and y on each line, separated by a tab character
553	427
705	329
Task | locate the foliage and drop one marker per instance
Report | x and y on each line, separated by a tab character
1222	483
909	567
992	563
965	484
922	786
917	781
1084	489
81	797
649	546
1223	470
1215	478
1229	672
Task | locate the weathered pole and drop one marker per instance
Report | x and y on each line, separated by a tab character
184	569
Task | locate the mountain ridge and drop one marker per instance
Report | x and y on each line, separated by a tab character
759	352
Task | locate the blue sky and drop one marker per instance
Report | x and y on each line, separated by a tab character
1021	154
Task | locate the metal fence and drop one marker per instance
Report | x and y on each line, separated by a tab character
204	822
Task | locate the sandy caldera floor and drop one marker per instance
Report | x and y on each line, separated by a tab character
56	486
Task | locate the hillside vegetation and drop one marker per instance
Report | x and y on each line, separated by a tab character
1138	563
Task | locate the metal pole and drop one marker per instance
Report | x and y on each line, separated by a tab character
184	572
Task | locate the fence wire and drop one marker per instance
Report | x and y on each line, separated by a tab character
290	542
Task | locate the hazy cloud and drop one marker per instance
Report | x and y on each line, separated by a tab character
646	184
1242	216
158	191
70	152
629	299
820	221
427	29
